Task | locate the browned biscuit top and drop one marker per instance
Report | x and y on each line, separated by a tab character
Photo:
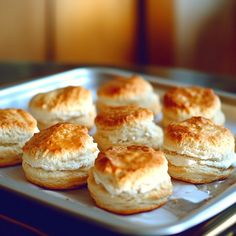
61	98
122	87
197	131
127	163
17	118
113	117
188	98
57	139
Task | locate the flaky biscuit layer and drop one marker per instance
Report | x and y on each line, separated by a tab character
16	127
125	203
127	125
61	179
199	174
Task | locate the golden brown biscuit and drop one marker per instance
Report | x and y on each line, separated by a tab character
184	102
128	180
127	125
59	157
16	127
69	104
123	91
199	151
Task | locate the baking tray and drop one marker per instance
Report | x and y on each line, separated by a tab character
188	206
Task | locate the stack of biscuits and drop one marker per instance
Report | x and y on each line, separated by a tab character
128	162
199	151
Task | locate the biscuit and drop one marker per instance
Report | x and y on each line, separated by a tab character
182	103
128	180
123	91
127	125
59	157
69	104
16	127
198	150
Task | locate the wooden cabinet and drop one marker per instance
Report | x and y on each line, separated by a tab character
71	31
185	33
95	31
22	30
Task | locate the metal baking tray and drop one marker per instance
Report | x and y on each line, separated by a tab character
188	206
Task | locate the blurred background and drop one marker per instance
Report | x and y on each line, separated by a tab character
199	35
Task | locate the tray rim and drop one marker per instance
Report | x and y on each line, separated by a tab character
180	225
163	82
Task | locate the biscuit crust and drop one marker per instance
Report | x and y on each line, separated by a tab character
115	117
196	136
72	104
185	99
10	160
132	161
122	87
181	103
15	124
57	140
123	91
61	99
